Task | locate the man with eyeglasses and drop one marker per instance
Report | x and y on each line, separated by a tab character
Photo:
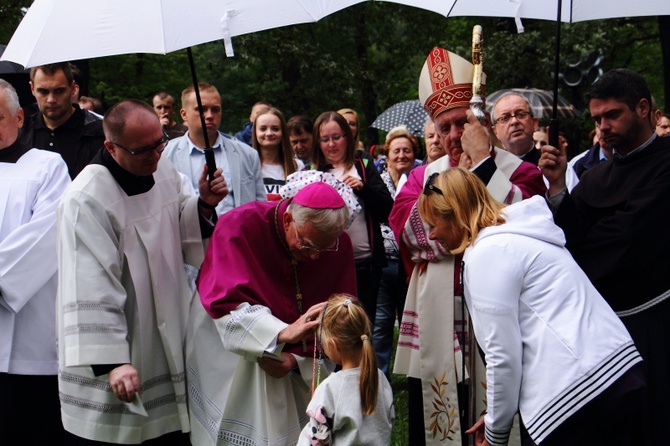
514	124
125	230
251	355
60	125
433	346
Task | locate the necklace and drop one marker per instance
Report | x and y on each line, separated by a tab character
316	365
294	264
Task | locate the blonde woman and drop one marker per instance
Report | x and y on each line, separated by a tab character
554	349
351	117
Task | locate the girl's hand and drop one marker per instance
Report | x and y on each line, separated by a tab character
478	430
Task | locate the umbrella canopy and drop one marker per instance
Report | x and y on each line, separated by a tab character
409	113
63	30
540	101
556	10
571	10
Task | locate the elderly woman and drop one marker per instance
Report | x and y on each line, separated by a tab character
434	149
554	349
334	151
402	150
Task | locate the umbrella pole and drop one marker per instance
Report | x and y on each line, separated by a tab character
209	152
553	122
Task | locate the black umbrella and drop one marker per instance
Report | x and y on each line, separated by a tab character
7	67
408	113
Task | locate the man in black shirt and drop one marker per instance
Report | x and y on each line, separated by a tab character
59	125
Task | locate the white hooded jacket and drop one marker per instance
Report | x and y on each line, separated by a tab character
551	342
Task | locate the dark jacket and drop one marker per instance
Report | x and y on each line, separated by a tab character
378	203
244	135
591	159
88	134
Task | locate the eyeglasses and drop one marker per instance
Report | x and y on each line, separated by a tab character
158	146
430	185
519	115
334	138
303	247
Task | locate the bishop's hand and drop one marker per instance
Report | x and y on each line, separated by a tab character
475	139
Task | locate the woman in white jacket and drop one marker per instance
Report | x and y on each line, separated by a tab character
554	350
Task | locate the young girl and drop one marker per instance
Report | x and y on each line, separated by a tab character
271	139
354	405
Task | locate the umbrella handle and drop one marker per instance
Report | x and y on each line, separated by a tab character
209	152
211	163
553	132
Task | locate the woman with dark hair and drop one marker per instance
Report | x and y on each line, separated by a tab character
271	139
334	151
555	351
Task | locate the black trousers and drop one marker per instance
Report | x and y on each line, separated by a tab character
171	439
613	418
368	279
30	410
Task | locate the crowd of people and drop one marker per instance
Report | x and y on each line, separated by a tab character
147	300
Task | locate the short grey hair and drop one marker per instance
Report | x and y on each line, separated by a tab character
326	221
510	93
12	98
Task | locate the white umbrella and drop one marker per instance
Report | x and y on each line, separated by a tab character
568	10
64	30
571	10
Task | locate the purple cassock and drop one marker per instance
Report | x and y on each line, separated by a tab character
247	262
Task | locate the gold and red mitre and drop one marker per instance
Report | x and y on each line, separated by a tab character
445	82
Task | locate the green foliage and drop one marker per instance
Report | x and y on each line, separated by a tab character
368	57
11	13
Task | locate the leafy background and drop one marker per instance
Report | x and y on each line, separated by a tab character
369	56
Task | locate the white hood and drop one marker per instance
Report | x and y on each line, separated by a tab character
532	218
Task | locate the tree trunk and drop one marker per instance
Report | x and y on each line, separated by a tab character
664	29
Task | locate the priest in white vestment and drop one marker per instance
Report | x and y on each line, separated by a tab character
125	230
31	183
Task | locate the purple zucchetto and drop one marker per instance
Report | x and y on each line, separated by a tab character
319	196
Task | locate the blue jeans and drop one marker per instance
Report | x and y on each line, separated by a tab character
390	301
